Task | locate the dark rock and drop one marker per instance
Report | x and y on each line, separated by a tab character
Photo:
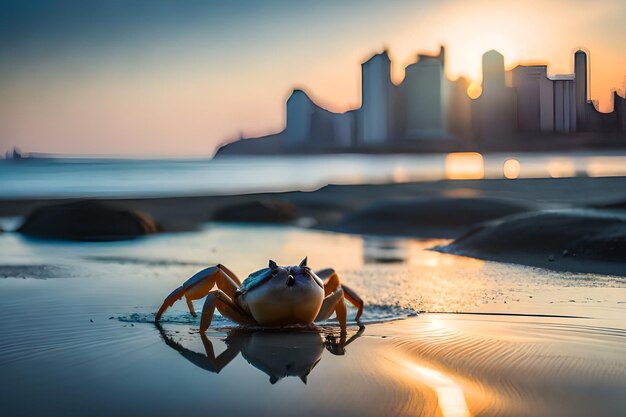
588	240
613	205
256	212
435	217
87	220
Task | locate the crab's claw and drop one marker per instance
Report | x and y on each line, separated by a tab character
169	301
199	285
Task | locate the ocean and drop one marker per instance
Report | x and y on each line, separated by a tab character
114	177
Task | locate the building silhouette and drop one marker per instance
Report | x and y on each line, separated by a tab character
425	89
564	87
493	113
374	116
429	112
580	81
299	115
535	98
619	107
459	110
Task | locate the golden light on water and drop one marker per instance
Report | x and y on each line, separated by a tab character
400	174
511	168
561	168
606	167
450	397
465	166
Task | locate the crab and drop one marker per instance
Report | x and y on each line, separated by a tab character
272	296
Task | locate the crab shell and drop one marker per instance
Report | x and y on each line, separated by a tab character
282	295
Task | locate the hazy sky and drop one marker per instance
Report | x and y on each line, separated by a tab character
150	77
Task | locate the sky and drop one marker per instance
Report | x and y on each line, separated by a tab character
159	78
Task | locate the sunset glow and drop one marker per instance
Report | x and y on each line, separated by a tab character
182	82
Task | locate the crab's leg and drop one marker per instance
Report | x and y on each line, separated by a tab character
220	300
218	362
199	285
210	362
333	302
192	310
332	281
354	299
339	347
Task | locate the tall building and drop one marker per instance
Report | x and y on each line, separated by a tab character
493	73
535	98
493	113
619	107
312	127
300	109
343	129
580	72
425	93
375	115
459	112
565	105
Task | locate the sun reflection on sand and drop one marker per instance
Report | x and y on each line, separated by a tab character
450	397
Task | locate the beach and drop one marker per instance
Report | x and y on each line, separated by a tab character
313	209
443	334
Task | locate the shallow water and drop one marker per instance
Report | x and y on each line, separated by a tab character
80	177
77	333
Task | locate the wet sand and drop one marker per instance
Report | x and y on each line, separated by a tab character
444	335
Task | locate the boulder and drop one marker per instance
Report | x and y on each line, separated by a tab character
256	212
87	220
433	217
575	239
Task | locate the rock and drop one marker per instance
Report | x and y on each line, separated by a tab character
256	212
613	205
87	220
588	240
435	217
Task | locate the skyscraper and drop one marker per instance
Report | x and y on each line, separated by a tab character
493	113
493	73
564	87
300	110
374	119
535	98
425	92
580	72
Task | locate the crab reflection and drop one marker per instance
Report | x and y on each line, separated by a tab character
277	353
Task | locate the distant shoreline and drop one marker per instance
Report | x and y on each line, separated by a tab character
523	143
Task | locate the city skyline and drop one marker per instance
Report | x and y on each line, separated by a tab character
428	112
155	89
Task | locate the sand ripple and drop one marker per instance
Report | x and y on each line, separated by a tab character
520	367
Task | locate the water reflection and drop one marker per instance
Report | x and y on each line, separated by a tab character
278	353
464	166
384	250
